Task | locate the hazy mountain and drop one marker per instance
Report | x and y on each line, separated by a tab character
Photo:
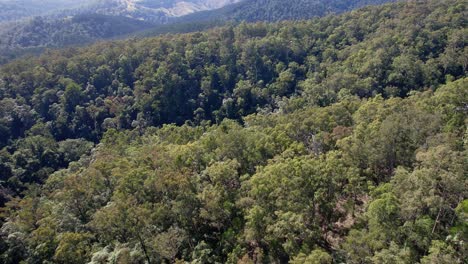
13	10
79	29
157	10
150	10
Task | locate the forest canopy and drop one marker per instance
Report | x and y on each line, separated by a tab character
338	139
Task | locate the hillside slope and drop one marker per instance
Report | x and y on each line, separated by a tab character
156	11
339	139
28	27
148	10
80	29
277	10
14	10
120	18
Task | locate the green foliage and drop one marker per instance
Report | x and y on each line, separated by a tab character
440	252
72	248
231	72
39	33
353	150
261	192
461	229
316	257
275	10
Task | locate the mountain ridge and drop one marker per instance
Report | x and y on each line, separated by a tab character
276	10
13	38
158	11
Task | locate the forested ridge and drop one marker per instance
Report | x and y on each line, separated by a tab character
335	140
277	10
114	19
40	33
79	29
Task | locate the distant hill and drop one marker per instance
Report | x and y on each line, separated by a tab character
14	10
30	26
156	11
276	10
39	33
80	29
149	10
107	19
258	10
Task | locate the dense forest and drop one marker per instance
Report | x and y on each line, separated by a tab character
256	11
334	140
110	20
79	29
277	10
